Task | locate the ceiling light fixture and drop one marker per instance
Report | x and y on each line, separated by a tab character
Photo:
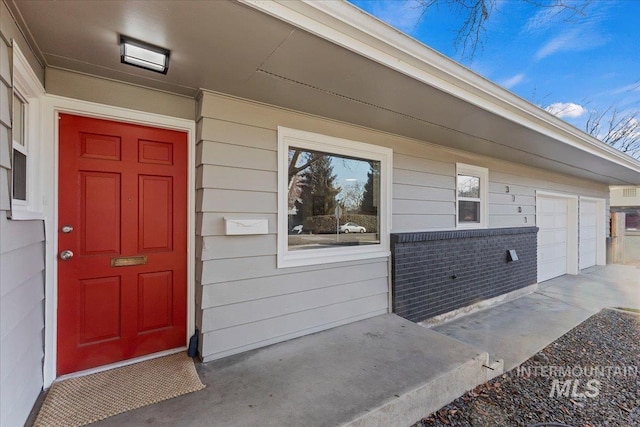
144	55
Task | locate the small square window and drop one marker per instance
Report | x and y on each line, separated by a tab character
471	196
632	221
469	186
468	211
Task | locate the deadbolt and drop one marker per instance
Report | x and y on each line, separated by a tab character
66	255
67	229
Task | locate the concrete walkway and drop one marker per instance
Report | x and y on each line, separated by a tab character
516	330
386	371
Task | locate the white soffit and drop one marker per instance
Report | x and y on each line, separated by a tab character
347	26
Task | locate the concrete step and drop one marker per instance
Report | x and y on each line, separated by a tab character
383	371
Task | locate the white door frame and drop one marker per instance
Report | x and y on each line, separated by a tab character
51	106
601	229
572	226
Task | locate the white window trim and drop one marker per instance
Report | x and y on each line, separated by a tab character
313	141
28	87
483	174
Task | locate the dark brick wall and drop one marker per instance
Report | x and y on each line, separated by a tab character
437	272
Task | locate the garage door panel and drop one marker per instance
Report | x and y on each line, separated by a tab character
546	237
546	205
546	220
558	251
561	237
587	234
560	206
552	220
560	220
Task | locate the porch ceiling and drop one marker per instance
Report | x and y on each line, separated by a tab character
235	49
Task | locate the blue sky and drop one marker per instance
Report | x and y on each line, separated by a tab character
569	67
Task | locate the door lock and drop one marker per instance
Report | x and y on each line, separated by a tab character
67	229
66	255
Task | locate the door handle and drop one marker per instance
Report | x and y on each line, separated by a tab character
66	255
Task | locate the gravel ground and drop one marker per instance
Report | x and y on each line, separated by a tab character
602	356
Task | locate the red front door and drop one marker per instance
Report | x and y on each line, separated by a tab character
122	293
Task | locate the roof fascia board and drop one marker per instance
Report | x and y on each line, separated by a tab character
355	30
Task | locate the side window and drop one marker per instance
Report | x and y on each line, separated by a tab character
471	196
26	200
20	151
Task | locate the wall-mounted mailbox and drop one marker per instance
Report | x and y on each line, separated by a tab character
243	226
512	255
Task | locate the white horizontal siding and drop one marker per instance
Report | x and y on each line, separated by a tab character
21	317
227	178
233	201
255	310
263	267
223	342
215	153
244	290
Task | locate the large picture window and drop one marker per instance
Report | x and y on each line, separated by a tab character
333	199
471	196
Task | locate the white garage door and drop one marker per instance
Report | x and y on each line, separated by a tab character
551	216
588	233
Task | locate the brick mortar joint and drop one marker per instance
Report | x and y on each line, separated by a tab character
459	234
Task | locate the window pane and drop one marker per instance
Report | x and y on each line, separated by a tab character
632	221
19	176
333	200
468	186
18	120
468	211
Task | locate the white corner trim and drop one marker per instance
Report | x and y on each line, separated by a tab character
601	228
345	25
51	106
24	78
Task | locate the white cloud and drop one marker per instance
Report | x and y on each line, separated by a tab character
512	81
573	40
566	109
634	87
544	18
565	41
403	15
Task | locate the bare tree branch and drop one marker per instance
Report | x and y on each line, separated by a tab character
471	36
617	129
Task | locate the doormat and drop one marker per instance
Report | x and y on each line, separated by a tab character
84	400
